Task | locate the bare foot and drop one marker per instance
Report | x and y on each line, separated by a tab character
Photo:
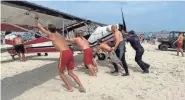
82	89
22	60
96	69
70	90
91	74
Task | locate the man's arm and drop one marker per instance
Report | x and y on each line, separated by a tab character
72	40
97	49
117	41
128	39
39	26
177	40
43	29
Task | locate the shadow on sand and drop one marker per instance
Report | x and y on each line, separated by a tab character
134	68
16	85
174	50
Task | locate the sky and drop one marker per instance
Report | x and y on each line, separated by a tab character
140	16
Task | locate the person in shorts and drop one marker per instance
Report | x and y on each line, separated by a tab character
19	47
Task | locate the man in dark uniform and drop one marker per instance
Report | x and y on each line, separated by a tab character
135	43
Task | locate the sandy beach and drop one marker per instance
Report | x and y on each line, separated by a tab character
38	79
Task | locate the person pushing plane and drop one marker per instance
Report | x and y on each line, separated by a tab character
119	48
19	47
83	44
66	55
135	43
105	46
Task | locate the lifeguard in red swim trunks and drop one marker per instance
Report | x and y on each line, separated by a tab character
66	56
179	44
83	44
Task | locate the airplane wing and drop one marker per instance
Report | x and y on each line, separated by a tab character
22	13
18	16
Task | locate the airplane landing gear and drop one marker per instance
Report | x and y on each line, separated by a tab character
101	56
46	54
38	54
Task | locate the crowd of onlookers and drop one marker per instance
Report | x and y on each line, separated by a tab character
151	39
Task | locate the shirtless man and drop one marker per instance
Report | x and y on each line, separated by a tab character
83	44
19	47
112	55
119	48
180	44
66	55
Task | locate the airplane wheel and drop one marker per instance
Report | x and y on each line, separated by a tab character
101	56
46	54
38	54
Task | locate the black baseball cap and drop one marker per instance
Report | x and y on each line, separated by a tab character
131	32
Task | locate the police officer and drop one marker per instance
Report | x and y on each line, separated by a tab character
133	39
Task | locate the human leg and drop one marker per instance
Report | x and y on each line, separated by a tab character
94	63
19	55
181	50
177	52
125	66
63	77
22	52
17	49
91	68
138	59
76	79
65	59
121	56
88	60
115	68
120	68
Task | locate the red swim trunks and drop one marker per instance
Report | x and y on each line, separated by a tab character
88	56
66	60
179	45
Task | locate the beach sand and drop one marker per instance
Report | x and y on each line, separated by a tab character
38	79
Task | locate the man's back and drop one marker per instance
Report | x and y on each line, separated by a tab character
134	41
82	43
180	38
59	42
120	35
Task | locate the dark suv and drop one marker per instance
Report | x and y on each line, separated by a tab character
168	42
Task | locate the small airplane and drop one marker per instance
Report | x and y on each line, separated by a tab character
19	17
